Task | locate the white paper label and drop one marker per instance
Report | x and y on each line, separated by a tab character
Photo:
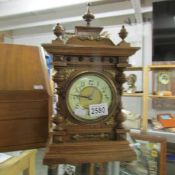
38	86
79	112
98	110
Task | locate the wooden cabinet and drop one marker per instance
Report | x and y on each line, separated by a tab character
24	98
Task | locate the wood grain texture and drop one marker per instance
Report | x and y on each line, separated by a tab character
21	67
93	152
90	50
24	109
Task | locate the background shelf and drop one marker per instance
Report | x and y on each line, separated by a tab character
133	95
163	97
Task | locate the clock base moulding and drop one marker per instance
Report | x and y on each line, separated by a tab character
93	152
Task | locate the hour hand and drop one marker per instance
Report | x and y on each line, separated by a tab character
82	96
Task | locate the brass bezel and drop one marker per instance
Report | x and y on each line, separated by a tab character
108	80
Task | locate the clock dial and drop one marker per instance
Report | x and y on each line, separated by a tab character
90	95
163	78
87	90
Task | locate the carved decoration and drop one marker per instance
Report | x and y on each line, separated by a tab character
100	136
59	32
69	123
110	122
123	34
88	17
58	119
120	79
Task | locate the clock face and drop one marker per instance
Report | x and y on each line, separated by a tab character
163	78
89	97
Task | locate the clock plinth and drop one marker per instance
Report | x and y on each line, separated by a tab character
89	77
93	152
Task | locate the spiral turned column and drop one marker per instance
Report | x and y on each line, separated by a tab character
120	79
58	119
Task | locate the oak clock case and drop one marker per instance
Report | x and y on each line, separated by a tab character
91	96
89	76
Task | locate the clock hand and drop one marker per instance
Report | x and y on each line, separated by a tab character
82	96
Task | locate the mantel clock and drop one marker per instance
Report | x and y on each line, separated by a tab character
89	77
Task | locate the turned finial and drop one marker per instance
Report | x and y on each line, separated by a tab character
88	17
58	31
123	33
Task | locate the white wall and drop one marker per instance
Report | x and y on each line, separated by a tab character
34	39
